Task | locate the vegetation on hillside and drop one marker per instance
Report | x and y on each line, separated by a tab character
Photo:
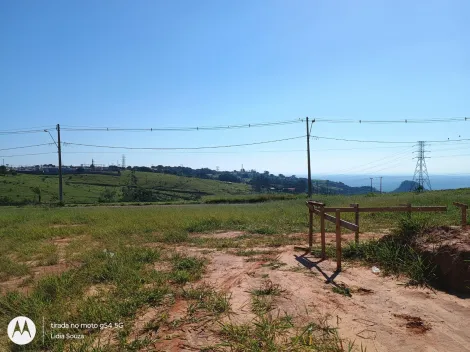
128	186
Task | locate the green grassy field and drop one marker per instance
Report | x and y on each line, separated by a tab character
87	188
141	237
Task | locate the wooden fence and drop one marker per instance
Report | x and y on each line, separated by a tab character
320	209
463	208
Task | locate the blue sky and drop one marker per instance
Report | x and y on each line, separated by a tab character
143	64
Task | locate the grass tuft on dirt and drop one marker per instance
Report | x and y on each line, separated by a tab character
394	254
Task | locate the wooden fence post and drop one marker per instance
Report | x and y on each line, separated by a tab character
463	207
464	217
322	232
408	205
338	240
310	230
356	221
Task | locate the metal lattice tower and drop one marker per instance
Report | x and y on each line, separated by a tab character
421	172
123	163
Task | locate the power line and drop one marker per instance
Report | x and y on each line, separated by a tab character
380	161
197	128
450	156
18	155
362	121
39	129
183	148
196	152
36	128
386	142
28	146
21	132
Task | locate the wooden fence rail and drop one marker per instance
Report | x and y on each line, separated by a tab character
320	209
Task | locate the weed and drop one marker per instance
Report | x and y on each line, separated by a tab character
186	269
342	290
9	268
261	335
206	298
268	288
261	304
392	256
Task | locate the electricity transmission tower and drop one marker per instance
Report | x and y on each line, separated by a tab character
123	163
421	172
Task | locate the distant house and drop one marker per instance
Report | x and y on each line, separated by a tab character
50	170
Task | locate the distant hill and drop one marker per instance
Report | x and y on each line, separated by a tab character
330	187
157	184
406	186
128	186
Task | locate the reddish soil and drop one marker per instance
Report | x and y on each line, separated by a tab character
382	314
448	248
25	284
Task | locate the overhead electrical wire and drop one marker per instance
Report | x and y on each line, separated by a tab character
360	168
27	146
17	155
195	128
365	121
183	148
385	142
22	132
449	156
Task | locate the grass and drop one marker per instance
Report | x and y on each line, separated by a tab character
278	332
87	188
268	288
141	237
342	290
208	299
396	254
64	298
256	198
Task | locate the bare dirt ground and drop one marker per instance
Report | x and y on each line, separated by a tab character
381	315
25	283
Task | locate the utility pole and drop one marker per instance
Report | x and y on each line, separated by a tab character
371	184
308	161
61	198
380	184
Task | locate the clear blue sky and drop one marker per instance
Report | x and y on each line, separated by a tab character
194	63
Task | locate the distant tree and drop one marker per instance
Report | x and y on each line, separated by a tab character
133	179
36	190
107	196
80	170
228	177
137	194
259	182
301	186
3	170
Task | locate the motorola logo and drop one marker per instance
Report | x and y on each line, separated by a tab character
21	330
